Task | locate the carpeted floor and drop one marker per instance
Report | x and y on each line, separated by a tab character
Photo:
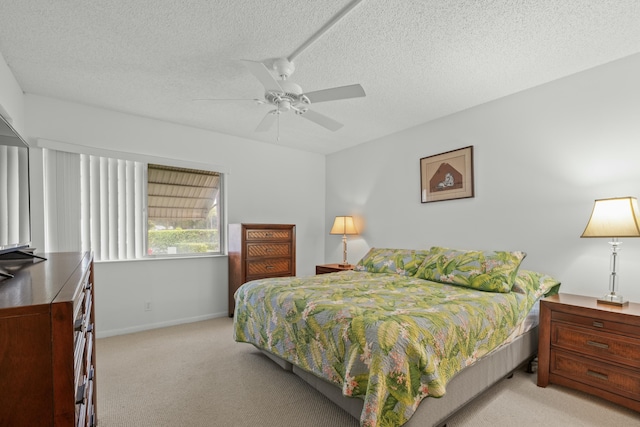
196	375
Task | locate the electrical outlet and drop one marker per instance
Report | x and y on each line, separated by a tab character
147	306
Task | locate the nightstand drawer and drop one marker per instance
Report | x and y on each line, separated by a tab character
597	323
601	345
624	382
332	268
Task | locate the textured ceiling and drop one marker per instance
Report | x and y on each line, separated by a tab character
417	60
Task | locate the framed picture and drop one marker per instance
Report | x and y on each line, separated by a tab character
447	176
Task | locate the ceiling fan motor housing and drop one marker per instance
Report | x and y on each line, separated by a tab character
292	96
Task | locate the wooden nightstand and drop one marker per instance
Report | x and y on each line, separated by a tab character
590	347
332	268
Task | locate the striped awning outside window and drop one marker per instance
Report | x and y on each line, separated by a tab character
180	193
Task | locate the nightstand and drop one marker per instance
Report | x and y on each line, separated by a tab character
332	268
590	347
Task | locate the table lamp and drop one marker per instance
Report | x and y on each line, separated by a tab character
614	218
343	225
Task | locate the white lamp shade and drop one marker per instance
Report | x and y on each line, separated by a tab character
343	225
616	217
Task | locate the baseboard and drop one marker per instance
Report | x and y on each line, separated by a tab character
148	326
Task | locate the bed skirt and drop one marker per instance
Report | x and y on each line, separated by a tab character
461	389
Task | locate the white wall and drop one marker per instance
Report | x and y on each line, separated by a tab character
266	183
11	98
541	158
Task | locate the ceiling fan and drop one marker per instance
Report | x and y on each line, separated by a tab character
286	95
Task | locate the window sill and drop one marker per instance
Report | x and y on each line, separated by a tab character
163	258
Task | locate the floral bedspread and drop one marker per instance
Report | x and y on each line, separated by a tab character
389	339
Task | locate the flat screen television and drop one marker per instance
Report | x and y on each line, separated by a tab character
15	217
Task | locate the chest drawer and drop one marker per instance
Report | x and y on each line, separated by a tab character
272	267
623	382
269	234
260	250
598	344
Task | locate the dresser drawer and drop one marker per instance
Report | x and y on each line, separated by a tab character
598	344
271	267
261	250
624	382
269	234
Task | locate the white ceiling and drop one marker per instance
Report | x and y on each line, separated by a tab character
417	60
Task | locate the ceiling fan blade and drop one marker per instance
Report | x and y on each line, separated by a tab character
261	72
221	100
267	121
333	94
322	120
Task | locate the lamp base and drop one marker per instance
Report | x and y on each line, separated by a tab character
342	264
613	299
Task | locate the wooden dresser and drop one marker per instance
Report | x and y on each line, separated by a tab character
47	343
257	251
590	347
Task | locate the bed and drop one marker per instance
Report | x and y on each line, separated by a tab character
407	337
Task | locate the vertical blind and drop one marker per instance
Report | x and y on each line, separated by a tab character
104	195
61	201
14	196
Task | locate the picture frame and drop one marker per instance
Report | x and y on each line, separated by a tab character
447	176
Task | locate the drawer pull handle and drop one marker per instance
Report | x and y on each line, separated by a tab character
598	324
268	234
597	375
598	344
269	267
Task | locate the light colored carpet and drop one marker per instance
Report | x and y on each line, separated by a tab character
196	375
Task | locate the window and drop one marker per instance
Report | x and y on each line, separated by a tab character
130	208
182	210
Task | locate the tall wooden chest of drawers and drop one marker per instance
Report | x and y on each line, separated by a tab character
590	347
257	251
47	343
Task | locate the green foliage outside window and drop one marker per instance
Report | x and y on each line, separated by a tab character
184	241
